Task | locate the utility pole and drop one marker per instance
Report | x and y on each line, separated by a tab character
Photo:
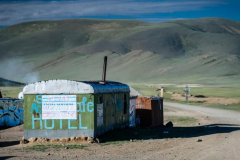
161	91
186	90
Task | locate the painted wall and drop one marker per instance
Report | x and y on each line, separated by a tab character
11	112
33	115
96	114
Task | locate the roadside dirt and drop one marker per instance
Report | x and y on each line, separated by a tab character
216	130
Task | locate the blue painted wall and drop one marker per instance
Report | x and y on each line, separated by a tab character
11	112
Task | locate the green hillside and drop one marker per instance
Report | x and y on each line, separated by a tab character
205	50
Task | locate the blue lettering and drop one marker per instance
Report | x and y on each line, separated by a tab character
47	126
90	104
84	99
33	119
69	124
39	99
34	107
38	109
80	123
60	123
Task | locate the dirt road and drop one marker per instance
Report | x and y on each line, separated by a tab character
224	144
217	131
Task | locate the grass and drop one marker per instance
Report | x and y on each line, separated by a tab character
145	89
11	91
234	107
166	110
43	148
225	91
148	90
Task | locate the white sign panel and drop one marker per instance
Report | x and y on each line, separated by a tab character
59	107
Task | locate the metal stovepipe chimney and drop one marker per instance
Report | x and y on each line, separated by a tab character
104	71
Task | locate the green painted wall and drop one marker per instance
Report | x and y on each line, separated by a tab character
114	109
33	113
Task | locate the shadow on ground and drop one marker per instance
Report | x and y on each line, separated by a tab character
164	132
6	157
8	143
5	127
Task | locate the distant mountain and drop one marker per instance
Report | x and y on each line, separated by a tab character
2	27
7	83
205	50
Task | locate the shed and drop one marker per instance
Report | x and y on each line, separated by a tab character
149	111
66	108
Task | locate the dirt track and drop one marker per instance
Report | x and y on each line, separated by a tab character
218	130
223	144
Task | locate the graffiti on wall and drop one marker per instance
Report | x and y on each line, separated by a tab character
11	112
84	106
132	113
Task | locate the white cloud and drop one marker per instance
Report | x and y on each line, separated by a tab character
15	12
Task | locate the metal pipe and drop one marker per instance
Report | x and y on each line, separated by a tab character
104	70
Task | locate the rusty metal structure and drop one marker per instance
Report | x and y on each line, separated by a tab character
149	111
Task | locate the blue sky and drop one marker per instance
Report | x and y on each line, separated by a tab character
13	12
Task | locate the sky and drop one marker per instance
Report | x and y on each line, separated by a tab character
13	12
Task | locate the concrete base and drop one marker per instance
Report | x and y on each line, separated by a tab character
51	134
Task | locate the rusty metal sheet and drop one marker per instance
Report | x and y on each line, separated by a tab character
157	112
143	103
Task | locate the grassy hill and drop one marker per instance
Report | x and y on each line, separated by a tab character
205	50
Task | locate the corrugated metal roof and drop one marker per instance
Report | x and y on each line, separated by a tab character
74	87
109	86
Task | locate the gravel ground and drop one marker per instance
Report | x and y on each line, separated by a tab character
215	135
